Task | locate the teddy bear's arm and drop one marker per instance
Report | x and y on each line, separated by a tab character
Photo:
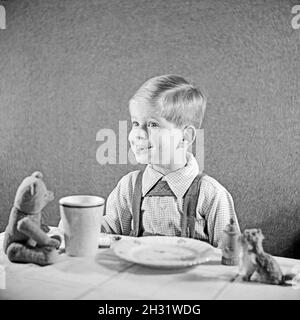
33	231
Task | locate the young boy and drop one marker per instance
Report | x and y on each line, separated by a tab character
170	196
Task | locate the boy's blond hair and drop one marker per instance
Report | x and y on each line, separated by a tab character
178	101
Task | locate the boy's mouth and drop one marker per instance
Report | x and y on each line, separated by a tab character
143	148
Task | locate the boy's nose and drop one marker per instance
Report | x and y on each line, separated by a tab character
142	133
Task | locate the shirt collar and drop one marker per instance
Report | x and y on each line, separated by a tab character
179	181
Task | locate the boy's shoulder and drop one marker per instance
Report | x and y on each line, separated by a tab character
211	186
129	178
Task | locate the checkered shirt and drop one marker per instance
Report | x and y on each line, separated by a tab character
162	215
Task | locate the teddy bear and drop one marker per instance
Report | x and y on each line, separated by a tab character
26	238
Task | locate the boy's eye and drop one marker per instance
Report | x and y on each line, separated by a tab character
153	124
135	124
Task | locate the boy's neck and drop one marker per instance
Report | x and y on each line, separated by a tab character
166	169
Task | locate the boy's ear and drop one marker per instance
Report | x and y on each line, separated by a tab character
189	135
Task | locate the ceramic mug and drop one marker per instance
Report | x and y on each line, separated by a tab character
81	218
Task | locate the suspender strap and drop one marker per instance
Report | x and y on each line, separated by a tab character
190	201
137	213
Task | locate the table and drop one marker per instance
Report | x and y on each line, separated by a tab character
106	277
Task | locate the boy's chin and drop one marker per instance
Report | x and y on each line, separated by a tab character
147	160
156	160
142	159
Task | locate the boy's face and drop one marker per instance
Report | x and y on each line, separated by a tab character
153	139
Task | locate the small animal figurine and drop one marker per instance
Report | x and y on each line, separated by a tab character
25	238
256	264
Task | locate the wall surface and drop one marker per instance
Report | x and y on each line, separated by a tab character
68	68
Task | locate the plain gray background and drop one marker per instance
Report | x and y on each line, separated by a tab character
68	68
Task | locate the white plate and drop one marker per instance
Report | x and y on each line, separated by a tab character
164	252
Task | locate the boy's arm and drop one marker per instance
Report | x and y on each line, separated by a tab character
117	218
219	209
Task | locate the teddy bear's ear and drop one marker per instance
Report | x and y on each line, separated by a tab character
33	188
37	174
260	234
